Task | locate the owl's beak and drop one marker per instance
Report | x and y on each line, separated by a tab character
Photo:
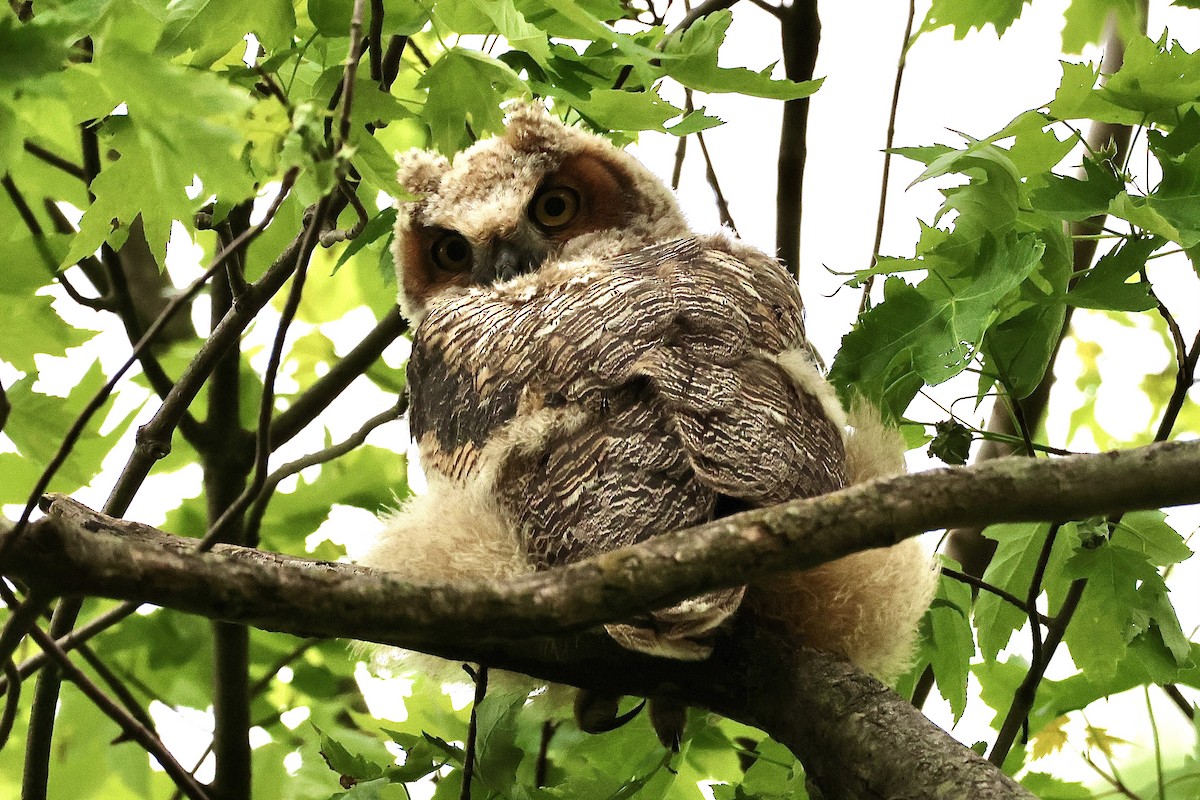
507	262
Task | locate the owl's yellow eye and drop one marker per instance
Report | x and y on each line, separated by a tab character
555	208
451	252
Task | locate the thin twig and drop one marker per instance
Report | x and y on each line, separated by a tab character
22	619
271	87
700	11
1114	781
390	67
154	438
264	683
23	616
131	728
305	408
711	174
680	154
480	677
351	68
1158	752
543	760
416	51
12	700
126	311
1185	377
1108	759
118	687
1035	589
887	153
800	34
262	449
375	40
23	209
254	518
1181	702
1006	596
94	303
90	265
31	222
54	160
1024	697
332	237
260	686
73	640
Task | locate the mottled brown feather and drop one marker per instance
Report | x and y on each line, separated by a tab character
640	381
668	355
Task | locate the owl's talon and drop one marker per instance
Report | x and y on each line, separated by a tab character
596	712
668	718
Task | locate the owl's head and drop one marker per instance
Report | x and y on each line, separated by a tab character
542	190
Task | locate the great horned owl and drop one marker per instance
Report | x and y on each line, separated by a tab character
586	372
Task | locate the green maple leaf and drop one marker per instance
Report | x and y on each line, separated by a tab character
31	324
1018	547
1154	77
466	85
947	640
1074	199
929	333
1106	285
692	60
968	15
181	125
1112	611
208	29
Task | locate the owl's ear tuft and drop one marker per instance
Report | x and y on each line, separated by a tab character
531	128
421	171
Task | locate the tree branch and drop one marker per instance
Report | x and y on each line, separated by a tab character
329	387
227	455
154	438
800	30
855	736
53	159
75	550
887	153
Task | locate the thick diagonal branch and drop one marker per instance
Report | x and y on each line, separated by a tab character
858	739
77	551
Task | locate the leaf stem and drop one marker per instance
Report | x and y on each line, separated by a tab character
887	153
